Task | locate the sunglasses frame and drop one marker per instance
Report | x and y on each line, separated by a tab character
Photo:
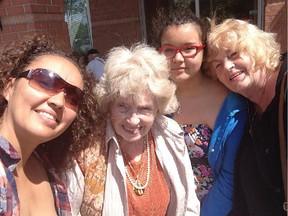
180	49
64	86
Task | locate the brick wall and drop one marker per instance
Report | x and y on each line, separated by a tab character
114	23
276	20
23	17
117	22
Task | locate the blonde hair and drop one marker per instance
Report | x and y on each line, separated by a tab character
129	71
261	46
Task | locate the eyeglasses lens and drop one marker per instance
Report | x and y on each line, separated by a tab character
186	51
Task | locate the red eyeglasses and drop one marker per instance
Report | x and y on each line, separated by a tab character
51	83
188	51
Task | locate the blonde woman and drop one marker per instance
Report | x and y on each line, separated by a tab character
247	60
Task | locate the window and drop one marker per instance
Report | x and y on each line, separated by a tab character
76	16
239	9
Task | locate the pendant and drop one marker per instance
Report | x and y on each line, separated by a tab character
138	191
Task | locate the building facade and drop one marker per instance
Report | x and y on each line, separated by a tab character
110	23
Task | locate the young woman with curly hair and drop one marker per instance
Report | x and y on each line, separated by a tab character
48	115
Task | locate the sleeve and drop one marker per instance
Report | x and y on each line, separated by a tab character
219	201
90	67
96	67
99	69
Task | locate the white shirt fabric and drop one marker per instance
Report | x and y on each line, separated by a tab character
96	67
75	187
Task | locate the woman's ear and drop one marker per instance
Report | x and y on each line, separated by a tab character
8	88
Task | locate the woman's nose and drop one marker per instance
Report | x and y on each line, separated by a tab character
57	100
133	118
228	65
178	56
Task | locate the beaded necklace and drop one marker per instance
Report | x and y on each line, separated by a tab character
137	185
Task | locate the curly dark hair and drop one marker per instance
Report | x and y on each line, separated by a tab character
178	16
86	129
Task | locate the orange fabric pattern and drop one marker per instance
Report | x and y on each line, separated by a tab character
149	203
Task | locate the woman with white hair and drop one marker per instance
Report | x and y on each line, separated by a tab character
144	168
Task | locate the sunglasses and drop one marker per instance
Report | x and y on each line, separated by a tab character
51	83
187	51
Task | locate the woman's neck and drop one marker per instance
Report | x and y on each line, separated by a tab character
193	85
133	149
266	92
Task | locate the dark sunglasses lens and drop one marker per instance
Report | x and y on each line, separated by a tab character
73	97
41	80
51	84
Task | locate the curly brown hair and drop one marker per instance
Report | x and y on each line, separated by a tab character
89	126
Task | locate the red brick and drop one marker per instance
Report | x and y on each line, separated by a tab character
44	25
10	37
31	27
3	12
40	26
57	25
57	2
21	2
27	9
18	28
276	21
55	9
14	10
21	18
34	17
5	3
38	9
47	2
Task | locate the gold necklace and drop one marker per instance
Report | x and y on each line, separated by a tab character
137	185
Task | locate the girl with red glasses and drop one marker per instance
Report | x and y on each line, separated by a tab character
47	114
211	116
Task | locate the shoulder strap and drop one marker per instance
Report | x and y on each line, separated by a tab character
282	140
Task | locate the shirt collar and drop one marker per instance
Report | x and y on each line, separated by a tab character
110	135
9	156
